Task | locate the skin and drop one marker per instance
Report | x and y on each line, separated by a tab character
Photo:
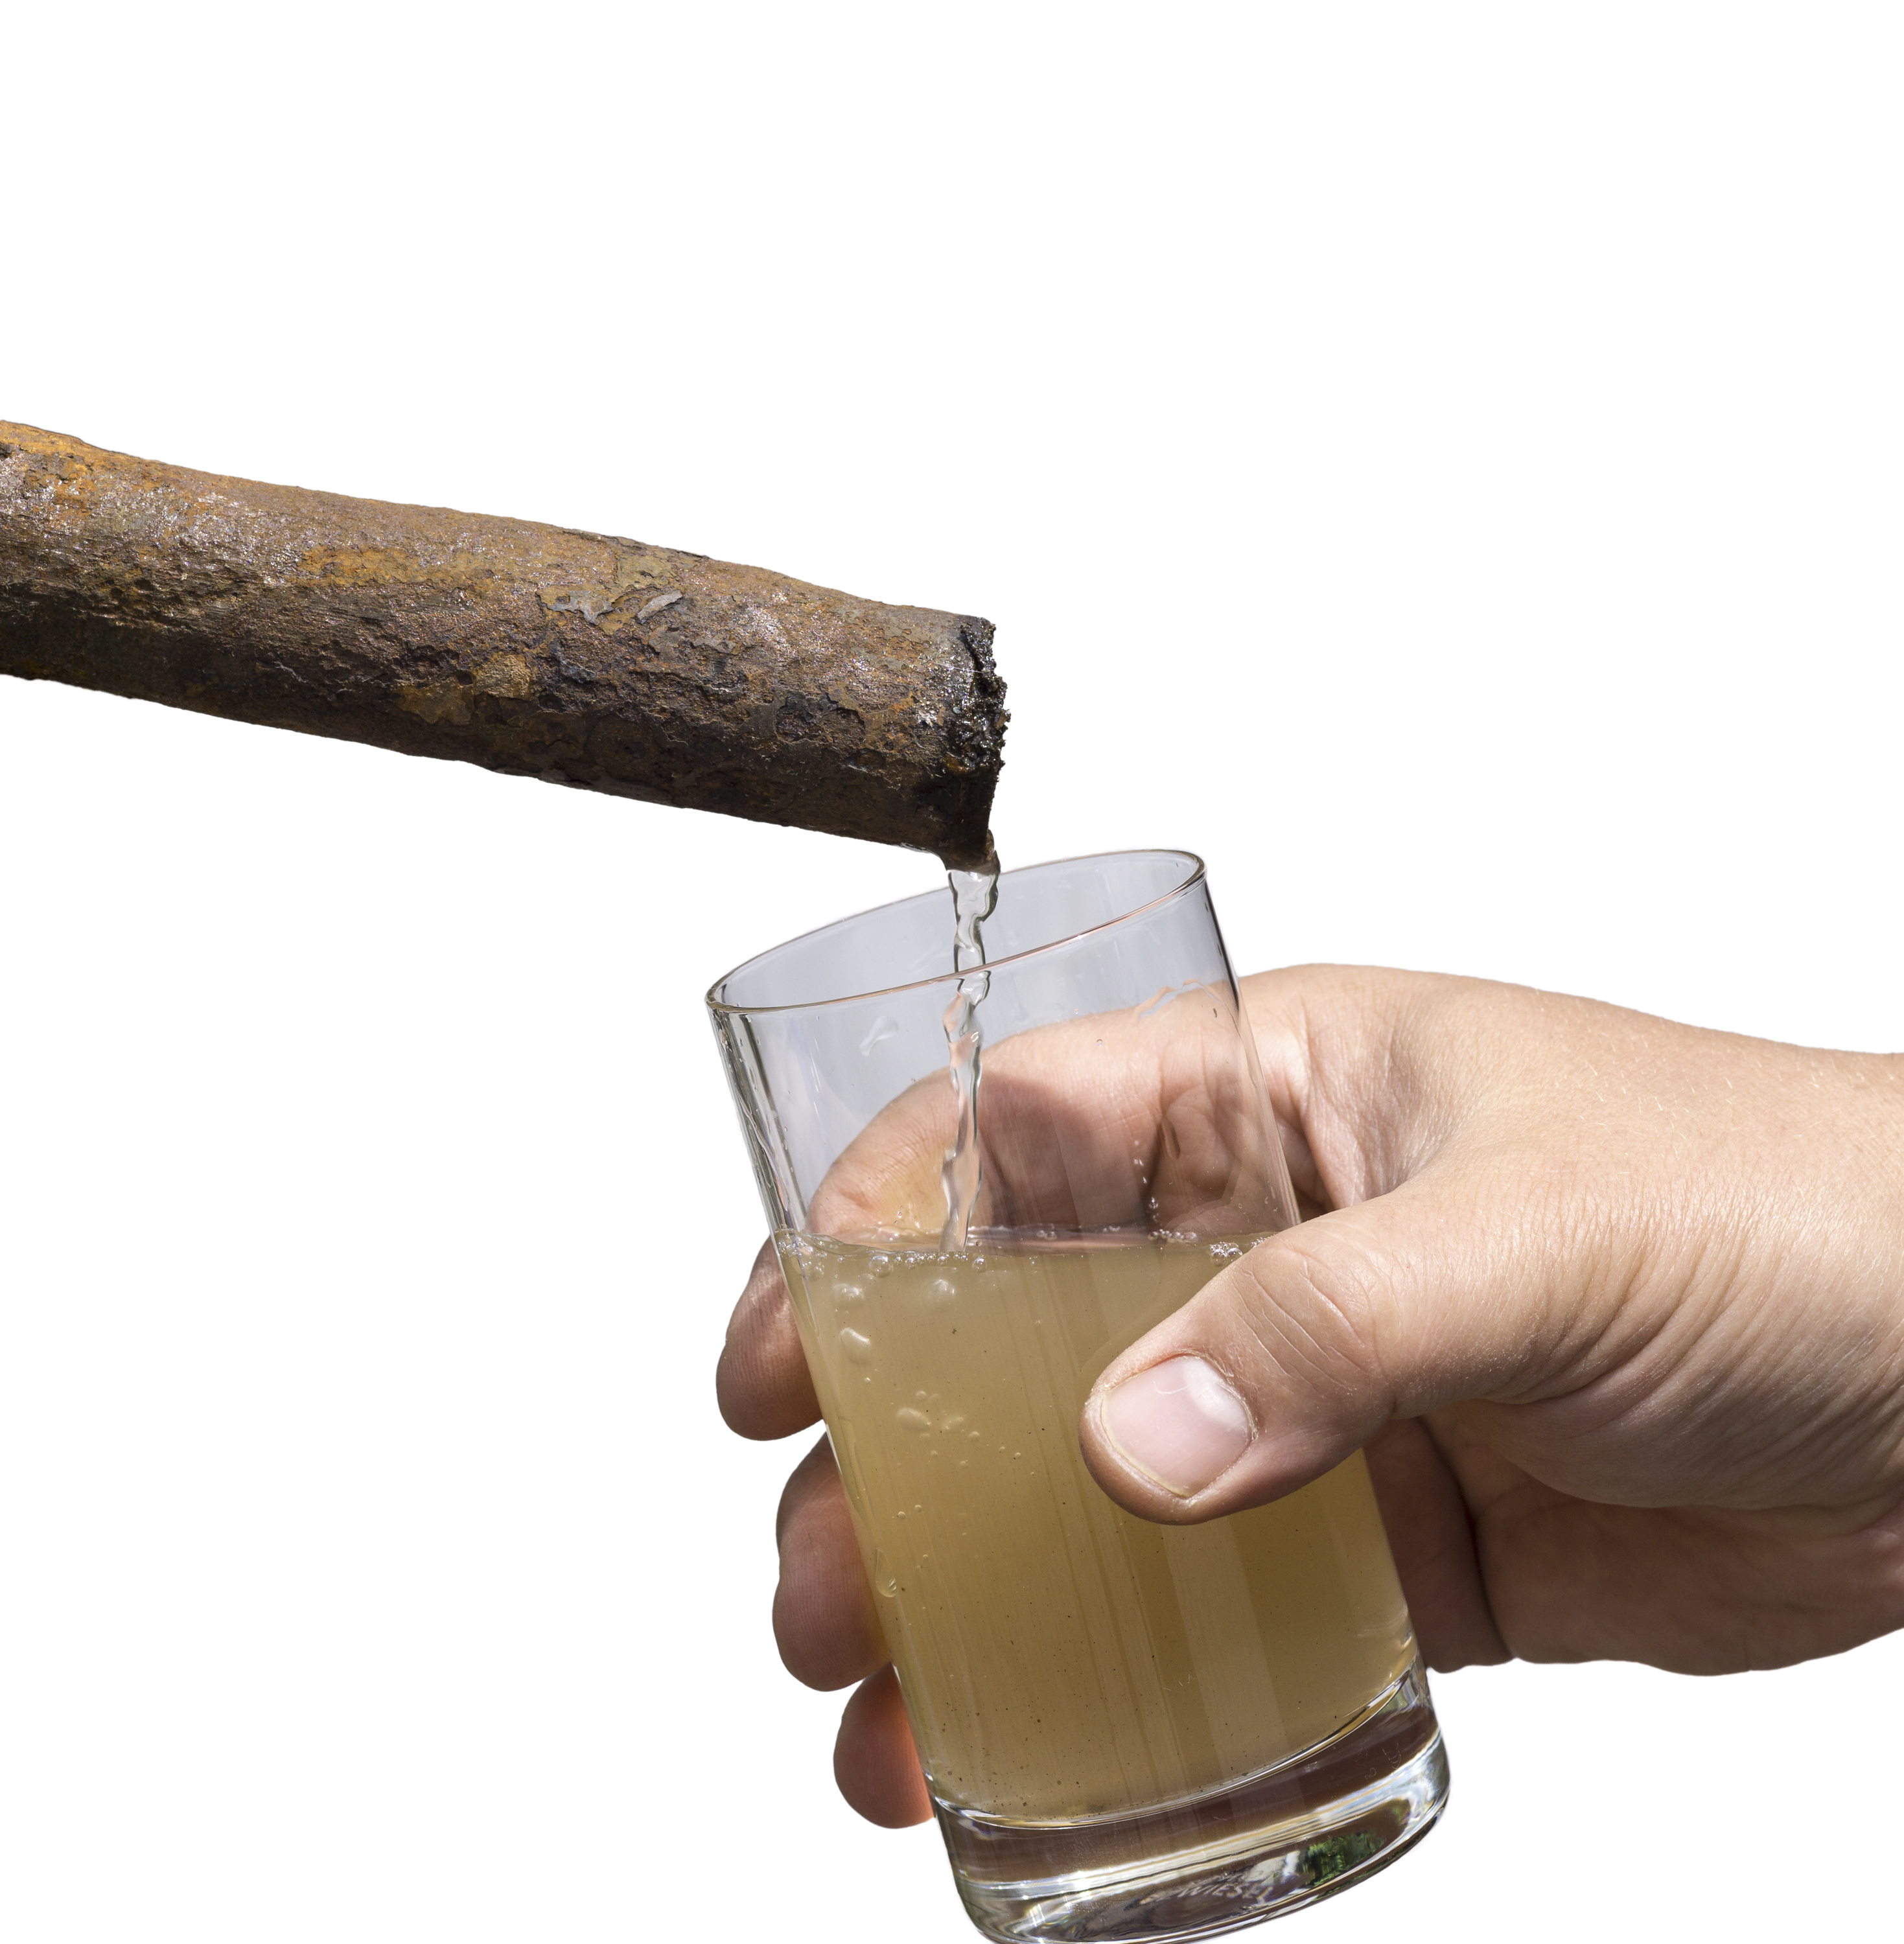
1616	1306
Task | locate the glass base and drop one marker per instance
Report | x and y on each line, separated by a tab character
1214	1863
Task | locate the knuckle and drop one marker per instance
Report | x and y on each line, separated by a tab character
1309	1307
807	1483
761	1381
821	1621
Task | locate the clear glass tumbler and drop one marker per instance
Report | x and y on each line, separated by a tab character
1130	1731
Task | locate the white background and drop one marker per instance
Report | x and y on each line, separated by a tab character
1442	463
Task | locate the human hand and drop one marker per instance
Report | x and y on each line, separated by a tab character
1617	1305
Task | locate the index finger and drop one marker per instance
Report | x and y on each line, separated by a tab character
761	1381
1141	1117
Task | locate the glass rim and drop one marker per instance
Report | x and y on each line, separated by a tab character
1193	877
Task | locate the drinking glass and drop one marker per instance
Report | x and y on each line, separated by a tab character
1129	1730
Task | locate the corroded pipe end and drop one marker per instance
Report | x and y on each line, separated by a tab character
584	658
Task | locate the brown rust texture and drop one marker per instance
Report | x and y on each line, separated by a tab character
583	659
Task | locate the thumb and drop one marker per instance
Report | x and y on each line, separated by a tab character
1295	1356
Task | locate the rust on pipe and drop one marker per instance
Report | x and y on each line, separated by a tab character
581	658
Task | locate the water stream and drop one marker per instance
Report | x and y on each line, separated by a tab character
974	893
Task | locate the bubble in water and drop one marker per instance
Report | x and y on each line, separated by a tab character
884	1582
858	1349
940	1290
915	1420
881	1265
953	1420
848	1293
